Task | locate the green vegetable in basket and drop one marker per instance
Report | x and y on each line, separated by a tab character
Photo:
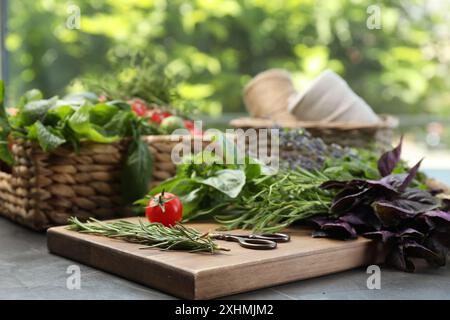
5	129
76	118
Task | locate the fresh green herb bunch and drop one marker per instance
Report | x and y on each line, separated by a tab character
289	196
77	118
139	76
151	235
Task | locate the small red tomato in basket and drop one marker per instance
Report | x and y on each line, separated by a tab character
166	114
139	107
156	117
159	116
193	130
165	208
189	124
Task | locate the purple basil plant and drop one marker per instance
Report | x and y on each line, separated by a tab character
409	221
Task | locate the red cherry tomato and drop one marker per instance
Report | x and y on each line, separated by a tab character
193	130
166	114
156	117
189	124
165	208
139	107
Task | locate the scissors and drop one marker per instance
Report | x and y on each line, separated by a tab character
254	241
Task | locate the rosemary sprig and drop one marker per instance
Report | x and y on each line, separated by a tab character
288	197
151	235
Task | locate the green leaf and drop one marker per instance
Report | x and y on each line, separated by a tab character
227	181
120	124
5	154
2	100
47	140
80	123
137	171
35	110
58	115
203	212
81	96
102	113
31	95
119	104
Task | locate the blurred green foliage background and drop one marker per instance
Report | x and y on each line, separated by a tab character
216	46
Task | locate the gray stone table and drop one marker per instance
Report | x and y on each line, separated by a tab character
28	271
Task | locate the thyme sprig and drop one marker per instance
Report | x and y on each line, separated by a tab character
151	235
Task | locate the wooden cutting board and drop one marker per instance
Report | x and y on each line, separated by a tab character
206	276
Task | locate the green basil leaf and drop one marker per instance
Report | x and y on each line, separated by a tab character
57	115
81	96
119	104
5	129
210	211
120	124
252	170
80	123
47	140
35	111
102	113
2	100
5	153
227	181
137	171
31	95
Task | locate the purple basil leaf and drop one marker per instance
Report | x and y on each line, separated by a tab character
382	235
437	219
334	184
391	214
333	228
353	219
410	177
398	259
389	160
438	215
320	221
408	205
441	249
387	184
340	230
348	199
443	238
416	250
411	233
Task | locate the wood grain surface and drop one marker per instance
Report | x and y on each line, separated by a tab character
205	276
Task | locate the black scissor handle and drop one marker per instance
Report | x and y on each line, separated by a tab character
257	244
249	243
277	237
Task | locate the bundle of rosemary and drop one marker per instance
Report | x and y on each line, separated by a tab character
151	235
289	196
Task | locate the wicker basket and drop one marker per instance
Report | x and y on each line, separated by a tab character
45	189
345	134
